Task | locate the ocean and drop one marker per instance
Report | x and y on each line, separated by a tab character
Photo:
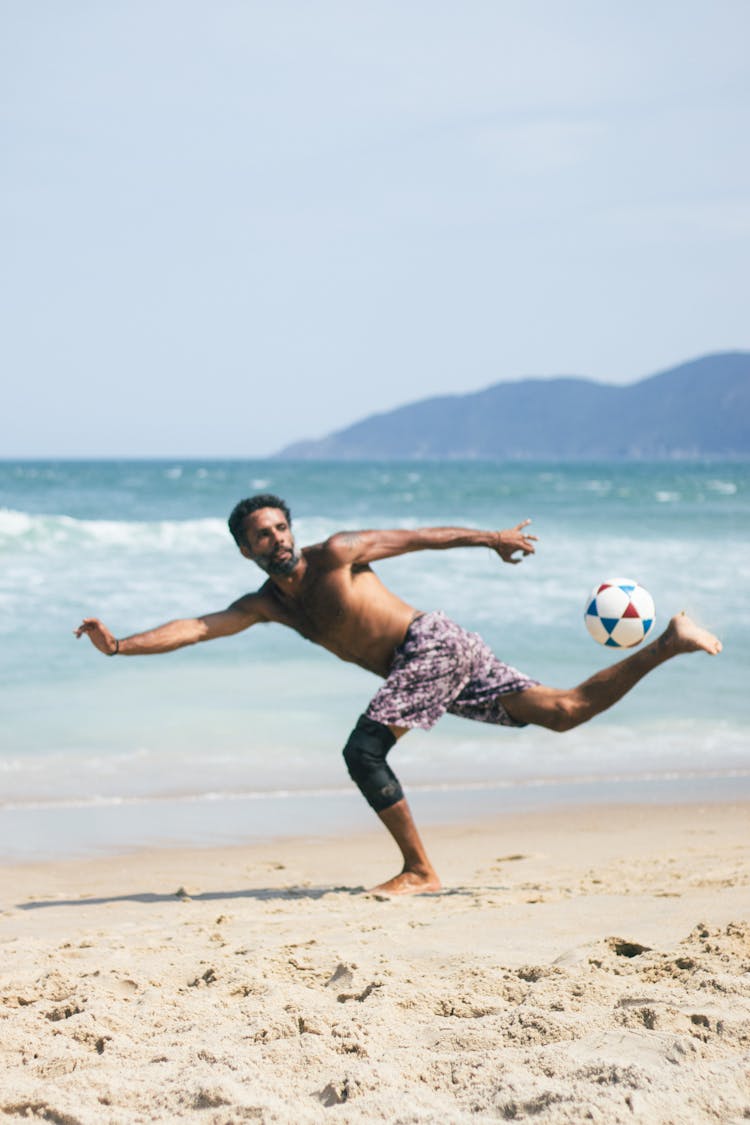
241	738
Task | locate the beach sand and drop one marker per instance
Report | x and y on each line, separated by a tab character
589	964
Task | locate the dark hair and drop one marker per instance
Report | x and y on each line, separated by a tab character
254	504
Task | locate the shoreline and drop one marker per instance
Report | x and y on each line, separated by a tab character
39	831
588	961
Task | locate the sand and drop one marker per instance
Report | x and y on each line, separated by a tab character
581	965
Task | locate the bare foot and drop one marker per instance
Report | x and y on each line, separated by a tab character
410	883
686	636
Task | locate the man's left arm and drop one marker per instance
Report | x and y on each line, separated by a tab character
362	547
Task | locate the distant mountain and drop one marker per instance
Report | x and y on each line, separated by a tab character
699	409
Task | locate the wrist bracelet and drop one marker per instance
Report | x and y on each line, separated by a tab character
117	648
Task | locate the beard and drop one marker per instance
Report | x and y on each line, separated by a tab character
280	568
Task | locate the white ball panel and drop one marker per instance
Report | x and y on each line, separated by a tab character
597	630
628	632
643	602
612	602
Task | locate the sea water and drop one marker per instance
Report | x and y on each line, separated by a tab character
242	737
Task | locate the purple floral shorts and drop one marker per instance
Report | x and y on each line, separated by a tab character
441	667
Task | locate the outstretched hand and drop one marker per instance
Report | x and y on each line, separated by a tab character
514	539
98	634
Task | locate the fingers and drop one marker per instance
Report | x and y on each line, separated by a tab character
519	528
88	625
516	539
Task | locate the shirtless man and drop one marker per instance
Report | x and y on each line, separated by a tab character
329	594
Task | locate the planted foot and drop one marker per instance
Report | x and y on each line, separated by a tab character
410	883
684	635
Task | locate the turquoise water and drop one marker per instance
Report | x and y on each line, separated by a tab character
139	543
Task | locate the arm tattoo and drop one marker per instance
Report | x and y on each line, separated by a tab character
351	539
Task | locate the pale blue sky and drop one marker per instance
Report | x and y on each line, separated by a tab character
231	225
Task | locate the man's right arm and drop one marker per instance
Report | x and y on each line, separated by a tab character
175	634
364	547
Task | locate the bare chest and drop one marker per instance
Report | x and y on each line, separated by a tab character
323	606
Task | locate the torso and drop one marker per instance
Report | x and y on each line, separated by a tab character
346	609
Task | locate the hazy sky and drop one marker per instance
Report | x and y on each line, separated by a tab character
230	225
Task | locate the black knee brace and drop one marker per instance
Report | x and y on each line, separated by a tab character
364	755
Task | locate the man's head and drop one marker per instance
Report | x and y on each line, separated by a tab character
262	529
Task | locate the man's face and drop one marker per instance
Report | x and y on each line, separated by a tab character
270	542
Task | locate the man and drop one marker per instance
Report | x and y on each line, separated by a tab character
329	594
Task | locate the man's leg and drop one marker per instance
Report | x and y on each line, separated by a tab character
563	709
417	875
365	756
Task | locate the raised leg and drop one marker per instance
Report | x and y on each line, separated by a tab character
563	709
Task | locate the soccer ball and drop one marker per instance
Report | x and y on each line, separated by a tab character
619	613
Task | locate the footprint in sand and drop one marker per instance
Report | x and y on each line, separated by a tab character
64	1012
335	1093
342	976
124	986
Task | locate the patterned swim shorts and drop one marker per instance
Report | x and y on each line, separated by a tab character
441	667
